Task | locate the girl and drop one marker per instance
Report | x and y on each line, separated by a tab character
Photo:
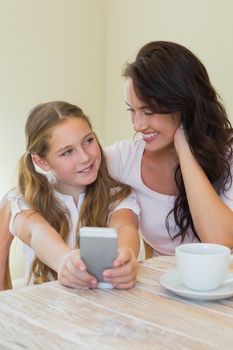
74	189
181	167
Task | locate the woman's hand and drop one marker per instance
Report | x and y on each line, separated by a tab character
124	272
72	272
180	140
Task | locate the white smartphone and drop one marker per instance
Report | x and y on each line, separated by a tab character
98	250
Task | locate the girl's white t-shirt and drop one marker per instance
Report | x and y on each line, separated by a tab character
124	163
18	204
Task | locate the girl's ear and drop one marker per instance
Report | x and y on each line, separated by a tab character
40	162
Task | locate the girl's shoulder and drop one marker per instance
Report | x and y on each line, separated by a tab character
128	202
14	194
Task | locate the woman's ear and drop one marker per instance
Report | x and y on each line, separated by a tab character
40	162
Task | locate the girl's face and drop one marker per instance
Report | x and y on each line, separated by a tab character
157	129
74	156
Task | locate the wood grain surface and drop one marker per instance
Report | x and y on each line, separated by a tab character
50	316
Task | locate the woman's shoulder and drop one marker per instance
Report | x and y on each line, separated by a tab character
127	143
122	149
123	156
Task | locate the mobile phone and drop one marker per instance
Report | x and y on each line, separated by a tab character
98	250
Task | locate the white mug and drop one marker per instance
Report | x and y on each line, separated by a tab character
203	266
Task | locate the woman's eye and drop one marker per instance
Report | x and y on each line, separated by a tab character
149	113
130	109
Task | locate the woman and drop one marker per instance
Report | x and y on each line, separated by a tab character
181	167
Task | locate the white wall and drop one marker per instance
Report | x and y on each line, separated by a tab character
50	49
75	50
204	26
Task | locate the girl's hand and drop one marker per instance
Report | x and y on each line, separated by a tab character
124	272
72	272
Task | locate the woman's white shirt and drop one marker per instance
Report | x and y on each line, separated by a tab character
124	160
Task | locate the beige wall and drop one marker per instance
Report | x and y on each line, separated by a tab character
50	49
204	26
75	50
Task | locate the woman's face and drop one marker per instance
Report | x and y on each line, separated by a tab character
157	129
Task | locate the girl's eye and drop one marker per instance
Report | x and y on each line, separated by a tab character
66	153
89	140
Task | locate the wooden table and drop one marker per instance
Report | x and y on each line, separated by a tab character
50	316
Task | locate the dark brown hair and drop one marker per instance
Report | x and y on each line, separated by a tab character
167	77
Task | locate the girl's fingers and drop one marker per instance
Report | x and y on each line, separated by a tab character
125	274
121	279
126	285
70	281
73	272
124	255
84	279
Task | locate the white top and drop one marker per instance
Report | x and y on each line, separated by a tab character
124	163
18	204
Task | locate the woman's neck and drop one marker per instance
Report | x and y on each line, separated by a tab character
158	169
164	156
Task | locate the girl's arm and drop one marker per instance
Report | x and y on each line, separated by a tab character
123	275
5	243
50	248
212	218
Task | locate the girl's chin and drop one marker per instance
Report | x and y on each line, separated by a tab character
89	179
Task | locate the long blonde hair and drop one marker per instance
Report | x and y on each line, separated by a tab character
38	192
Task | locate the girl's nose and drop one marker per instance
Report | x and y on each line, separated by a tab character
83	156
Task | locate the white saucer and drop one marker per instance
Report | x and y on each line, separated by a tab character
170	280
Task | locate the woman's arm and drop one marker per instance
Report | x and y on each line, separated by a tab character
213	219
5	243
123	275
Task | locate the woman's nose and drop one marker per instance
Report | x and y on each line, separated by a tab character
139	121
